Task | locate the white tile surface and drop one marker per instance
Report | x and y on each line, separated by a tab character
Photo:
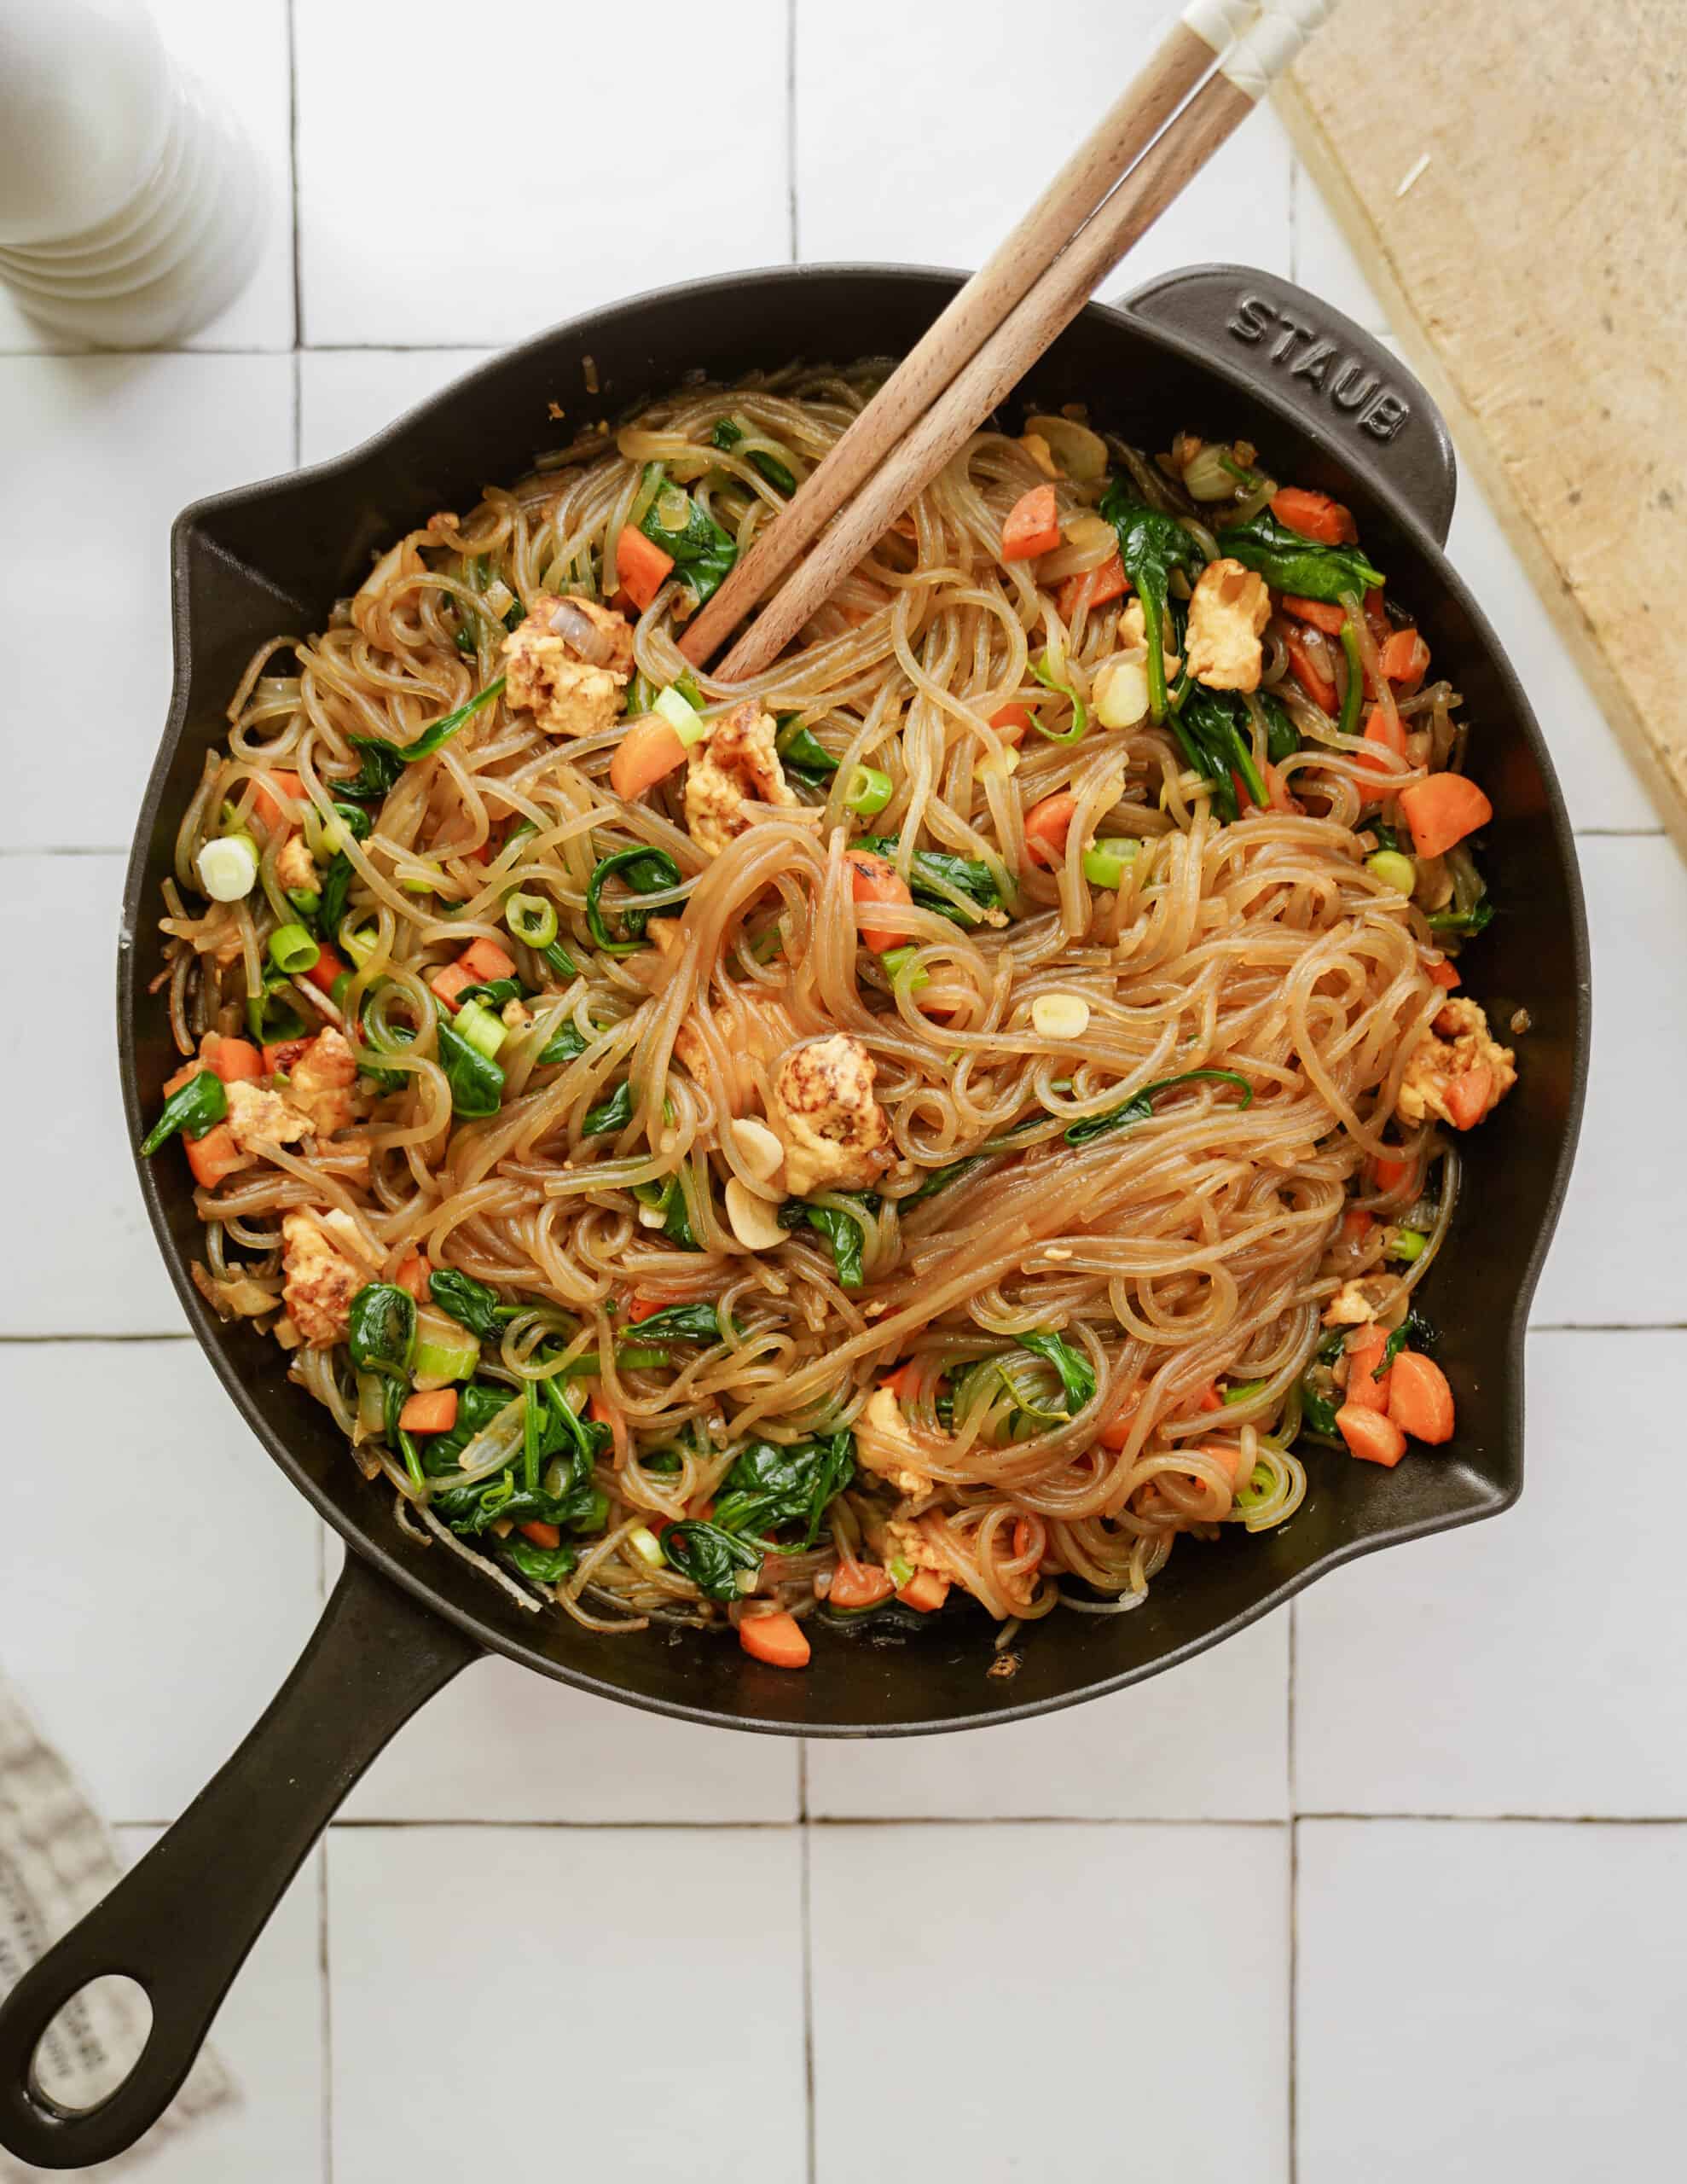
1615	1260
886	170
159	1573
617	2003
91	1266
1489	2000
346	395
1531	1664
1208	1742
94	449
1014	2002
571	190
240	56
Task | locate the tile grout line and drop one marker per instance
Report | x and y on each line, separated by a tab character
1054	1821
292	202
805	1843
1293	1964
791	125
326	2009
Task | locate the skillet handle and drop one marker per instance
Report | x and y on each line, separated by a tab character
180	1923
1353	395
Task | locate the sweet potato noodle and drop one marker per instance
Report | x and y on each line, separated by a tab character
1257	977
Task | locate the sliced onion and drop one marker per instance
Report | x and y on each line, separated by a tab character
1080	453
492	1447
576	629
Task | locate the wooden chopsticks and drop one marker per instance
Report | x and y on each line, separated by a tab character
1105	198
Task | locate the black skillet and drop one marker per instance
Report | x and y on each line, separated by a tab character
1220	349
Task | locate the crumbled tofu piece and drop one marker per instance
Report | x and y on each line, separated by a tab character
321	1082
1134	636
735	765
319	1284
567	695
906	1539
295	867
515	1015
259	1118
1227	609
886	1445
1349	1307
1458	1046
835	1135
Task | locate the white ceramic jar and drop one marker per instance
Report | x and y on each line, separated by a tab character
130	209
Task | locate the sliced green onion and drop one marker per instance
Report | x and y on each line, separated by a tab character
1242	1391
903	969
413	883
337	991
1393	870
1106	863
901	1573
1354	696
646	1546
292	950
531	919
305	900
635	1359
477	1024
359	944
443	1362
868	791
1408	1245
227	868
681	715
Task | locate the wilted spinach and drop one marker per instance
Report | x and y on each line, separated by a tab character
842	1230
1139	1109
728	433
1077	1378
770	1488
967	875
1212	728
645	870
196	1106
475	1304
700	550
709	1557
384	762
476	1083
1292	562
1151	546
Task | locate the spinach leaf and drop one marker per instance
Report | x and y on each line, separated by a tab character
769	1488
383	762
564	1044
475	1304
1414	1328
941	1178
546	1565
701	551
680	1323
1320	1398
477	1084
1151	546
1212	728
1290	562
967	875
356	821
1141	1106
336	890
1283	738
842	1231
380	769
810	761
478	1402
558	959
728	435
613	1113
709	1557
1477	918
1076	1377
1352	696
644	869
272	1018
195	1106
382	1330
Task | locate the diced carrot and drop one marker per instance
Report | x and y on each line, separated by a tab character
647	753
282	1055
1420	1401
1405	658
1388	732
641	565
925	1590
1314	515
776	1639
872	880
1468	1097
449	982
641	1307
1010	722
1443	811
236	1061
1092	587
1276	786
1307	672
433	1412
1206	1398
1028	1532
326	967
267	802
859	1584
541	1533
1356	1224
1443	975
1364	1391
1318	611
486	961
1047	825
1390	1174
599	1411
215	1155
412	1275
899	1381
1370	1434
1228	1453
1032	526
188	1071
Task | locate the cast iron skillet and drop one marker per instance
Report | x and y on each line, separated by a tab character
1219	349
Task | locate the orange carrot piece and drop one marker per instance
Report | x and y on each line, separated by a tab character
859	1584
1206	1398
872	880
1364	1391
486	961
641	565
925	1590
236	1061
1370	1434
1046	827
641	1307
899	1381
1277	786
1307	673
1443	975
282	1055
647	753
776	1639
1032	526
1420	1401
412	1275
433	1412
1390	1174
1010	722
268	804
1092	587
541	1533
215	1155
1228	1453
1314	515
1356	1224
1469	1097
1405	658
449	981
326	967
1318	611
1443	811
1388	732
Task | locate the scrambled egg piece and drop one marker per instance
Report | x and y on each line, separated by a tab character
567	695
322	1077
904	1537
835	1135
319	1283
1227	609
295	867
1349	1307
259	1119
1459	1072
1134	636
736	763
885	1444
